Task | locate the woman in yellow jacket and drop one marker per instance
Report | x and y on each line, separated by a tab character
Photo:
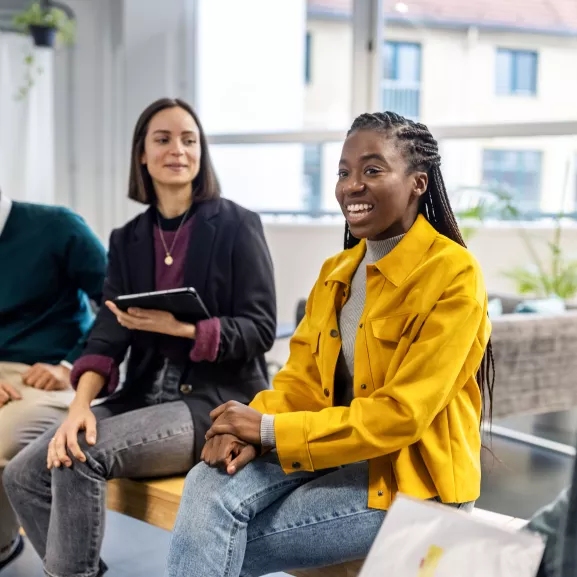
383	391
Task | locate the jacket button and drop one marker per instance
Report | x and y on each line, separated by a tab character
185	389
361	326
380	493
363	387
296	465
334	333
327	393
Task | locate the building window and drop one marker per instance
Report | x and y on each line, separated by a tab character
516	72
308	56
517	173
401	91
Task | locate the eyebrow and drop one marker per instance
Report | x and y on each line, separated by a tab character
370	156
161	131
374	156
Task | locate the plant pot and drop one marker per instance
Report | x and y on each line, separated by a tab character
44	36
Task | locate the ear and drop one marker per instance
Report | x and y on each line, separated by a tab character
420	183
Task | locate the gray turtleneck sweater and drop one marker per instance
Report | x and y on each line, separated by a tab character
348	322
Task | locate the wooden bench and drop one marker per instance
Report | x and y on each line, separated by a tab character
156	503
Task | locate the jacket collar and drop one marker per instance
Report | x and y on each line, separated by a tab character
395	266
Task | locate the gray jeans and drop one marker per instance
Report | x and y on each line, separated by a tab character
63	510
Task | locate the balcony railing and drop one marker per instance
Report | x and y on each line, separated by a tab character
402	97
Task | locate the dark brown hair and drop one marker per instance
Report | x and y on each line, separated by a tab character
421	151
140	188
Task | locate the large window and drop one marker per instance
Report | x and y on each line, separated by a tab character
516	173
402	78
277	115
516	72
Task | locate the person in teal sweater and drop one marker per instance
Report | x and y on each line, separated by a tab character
51	267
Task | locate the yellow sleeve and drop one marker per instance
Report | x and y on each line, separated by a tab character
444	355
297	386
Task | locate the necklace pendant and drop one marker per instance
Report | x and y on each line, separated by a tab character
168	260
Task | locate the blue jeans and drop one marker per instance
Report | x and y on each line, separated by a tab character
261	520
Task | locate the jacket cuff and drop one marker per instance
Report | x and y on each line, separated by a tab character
207	342
104	366
291	442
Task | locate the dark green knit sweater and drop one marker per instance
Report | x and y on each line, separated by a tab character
51	264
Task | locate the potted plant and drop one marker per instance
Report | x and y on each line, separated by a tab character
46	23
554	275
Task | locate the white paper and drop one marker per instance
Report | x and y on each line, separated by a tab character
427	539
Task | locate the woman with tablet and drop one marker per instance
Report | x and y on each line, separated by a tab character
181	365
382	393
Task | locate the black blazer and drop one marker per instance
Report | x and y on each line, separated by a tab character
229	264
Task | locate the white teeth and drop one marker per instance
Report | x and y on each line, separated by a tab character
359	207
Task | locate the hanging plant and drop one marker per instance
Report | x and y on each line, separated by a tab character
47	25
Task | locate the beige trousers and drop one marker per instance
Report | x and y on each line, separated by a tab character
20	423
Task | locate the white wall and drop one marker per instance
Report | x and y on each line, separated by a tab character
26	125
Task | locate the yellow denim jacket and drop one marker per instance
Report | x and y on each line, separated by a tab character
417	407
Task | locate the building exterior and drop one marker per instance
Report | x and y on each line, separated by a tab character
448	62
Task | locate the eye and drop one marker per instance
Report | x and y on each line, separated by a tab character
190	141
372	171
342	173
162	140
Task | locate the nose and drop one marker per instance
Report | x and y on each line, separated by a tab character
177	150
354	186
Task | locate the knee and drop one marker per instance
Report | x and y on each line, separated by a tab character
201	481
203	496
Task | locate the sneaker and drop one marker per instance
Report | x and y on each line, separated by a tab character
17	550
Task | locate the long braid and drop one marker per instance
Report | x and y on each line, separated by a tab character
422	154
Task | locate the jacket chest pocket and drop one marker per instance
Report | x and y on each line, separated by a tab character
387	333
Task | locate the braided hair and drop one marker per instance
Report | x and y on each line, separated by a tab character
421	152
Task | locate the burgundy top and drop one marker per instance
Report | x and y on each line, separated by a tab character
207	343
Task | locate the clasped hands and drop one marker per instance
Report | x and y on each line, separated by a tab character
234	438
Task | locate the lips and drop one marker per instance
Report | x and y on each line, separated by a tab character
358	212
175	167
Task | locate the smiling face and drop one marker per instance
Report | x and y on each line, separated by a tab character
172	148
378	194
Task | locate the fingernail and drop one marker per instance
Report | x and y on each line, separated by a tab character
232	470
57	463
91	440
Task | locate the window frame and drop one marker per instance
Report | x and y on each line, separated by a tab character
513	88
396	45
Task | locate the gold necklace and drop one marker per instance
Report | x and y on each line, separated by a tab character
168	260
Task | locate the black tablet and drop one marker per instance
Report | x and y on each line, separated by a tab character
184	303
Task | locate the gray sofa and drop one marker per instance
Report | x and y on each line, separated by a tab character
535	361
